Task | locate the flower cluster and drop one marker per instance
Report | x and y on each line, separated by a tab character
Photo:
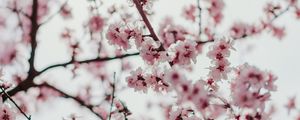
146	4
240	30
150	52
183	114
185	52
271	9
215	10
96	23
187	91
248	86
171	33
6	113
120	36
189	13
8	52
141	81
218	54
66	12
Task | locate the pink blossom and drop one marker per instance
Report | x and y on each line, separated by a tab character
45	93
189	13
183	114
8	52
185	52
66	12
6	113
247	86
292	2
149	51
218	54
215	10
141	81
137	80
156	82
291	105
297	13
174	76
278	32
2	22
238	30
220	70
96	23
117	36
170	33
118	105
271	9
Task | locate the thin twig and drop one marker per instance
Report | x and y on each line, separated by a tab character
79	101
145	19
88	61
3	91
53	15
112	95
200	22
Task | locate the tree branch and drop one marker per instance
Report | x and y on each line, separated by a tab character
3	91
200	22
145	19
79	101
88	61
53	15
112	95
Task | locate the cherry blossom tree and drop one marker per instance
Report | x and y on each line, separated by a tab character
125	33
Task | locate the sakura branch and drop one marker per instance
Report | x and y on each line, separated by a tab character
112	96
62	7
78	100
103	59
199	16
145	19
5	94
173	45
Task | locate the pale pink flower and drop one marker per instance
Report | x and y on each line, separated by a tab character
149	51
271	9
8	52
174	76
185	52
170	33
6	113
278	32
189	12
96	23
2	22
238	30
297	13
215	10
291	105
220	70
156	82
46	93
247	87
219	53
183	114
66	12
137	81
118	105
116	36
